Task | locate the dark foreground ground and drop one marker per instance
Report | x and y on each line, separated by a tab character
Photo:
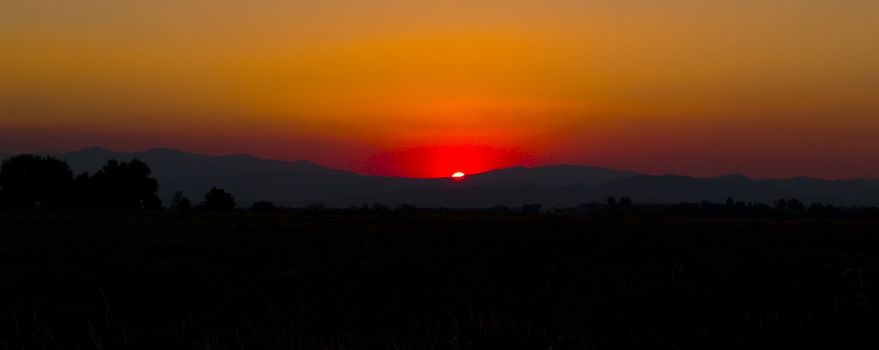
238	281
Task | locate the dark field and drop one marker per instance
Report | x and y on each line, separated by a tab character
237	281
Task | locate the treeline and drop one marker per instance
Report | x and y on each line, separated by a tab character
784	208
30	182
780	209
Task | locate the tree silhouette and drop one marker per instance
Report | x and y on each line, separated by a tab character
180	202
124	185
34	182
218	200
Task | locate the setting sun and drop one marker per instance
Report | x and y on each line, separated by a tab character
458	176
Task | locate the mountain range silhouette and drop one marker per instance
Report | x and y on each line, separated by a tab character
303	182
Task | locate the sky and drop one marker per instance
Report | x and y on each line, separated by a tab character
765	88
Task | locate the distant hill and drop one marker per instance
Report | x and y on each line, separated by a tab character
556	175
247	177
847	192
303	182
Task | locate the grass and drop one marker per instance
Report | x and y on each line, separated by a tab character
465	281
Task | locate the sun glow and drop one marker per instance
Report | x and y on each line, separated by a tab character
440	161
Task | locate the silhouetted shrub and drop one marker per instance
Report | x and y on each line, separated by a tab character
218	200
34	182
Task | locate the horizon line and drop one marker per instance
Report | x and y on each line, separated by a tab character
635	173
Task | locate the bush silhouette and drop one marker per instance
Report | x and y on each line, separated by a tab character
218	200
34	182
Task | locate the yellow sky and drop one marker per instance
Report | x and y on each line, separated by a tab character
559	78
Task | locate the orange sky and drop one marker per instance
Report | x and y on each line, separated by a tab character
764	88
